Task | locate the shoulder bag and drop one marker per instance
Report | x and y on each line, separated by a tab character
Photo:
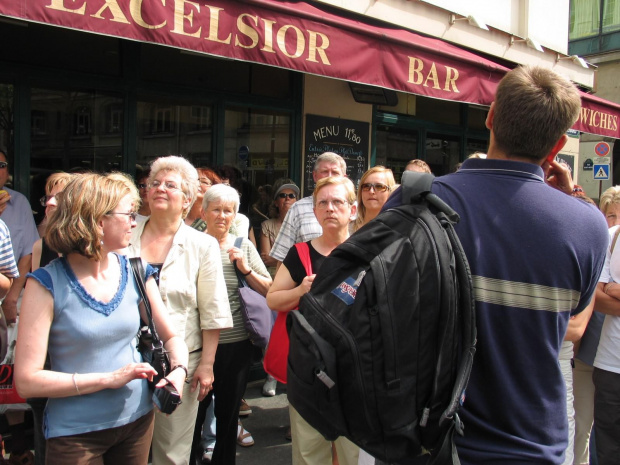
257	316
149	344
276	358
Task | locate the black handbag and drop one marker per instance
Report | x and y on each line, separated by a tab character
149	344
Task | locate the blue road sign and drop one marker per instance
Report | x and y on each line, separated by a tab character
601	172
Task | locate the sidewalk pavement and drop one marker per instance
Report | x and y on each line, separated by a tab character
268	424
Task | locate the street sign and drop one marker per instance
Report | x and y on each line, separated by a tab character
601	172
602	149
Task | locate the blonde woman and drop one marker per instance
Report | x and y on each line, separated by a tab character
83	309
375	187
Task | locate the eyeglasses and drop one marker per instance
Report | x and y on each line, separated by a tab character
283	195
168	185
45	199
377	186
3	165
142	186
337	203
132	215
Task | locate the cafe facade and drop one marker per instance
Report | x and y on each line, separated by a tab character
264	86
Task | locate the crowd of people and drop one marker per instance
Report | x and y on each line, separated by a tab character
541	255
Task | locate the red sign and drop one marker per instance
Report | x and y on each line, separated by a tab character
602	149
299	36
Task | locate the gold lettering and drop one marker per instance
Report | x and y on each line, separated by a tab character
603	122
180	17
117	14
268	47
415	70
313	49
452	75
432	75
301	41
60	6
614	126
593	115
135	9
214	23
583	116
247	31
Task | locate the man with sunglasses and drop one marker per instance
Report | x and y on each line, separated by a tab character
300	224
16	212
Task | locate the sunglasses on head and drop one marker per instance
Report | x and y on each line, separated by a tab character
283	195
377	186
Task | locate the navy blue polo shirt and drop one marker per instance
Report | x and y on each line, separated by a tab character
535	254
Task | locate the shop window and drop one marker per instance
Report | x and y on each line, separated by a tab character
68	129
167	127
395	147
257	142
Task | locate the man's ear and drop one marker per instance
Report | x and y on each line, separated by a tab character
353	211
490	115
557	147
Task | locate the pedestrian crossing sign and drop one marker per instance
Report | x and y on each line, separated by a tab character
601	172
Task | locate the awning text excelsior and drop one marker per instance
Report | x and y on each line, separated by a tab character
299	36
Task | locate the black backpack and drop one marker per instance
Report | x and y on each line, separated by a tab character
382	346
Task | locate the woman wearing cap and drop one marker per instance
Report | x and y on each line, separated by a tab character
285	195
375	187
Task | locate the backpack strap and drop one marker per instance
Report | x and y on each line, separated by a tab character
304	255
613	242
417	187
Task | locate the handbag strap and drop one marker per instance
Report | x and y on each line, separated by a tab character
304	255
138	273
242	281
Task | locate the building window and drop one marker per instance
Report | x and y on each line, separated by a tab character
162	122
585	18
114	119
201	118
82	121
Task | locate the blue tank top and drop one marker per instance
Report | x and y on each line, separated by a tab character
88	336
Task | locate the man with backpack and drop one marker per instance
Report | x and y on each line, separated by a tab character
535	254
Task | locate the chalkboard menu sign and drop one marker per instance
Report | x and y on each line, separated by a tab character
347	138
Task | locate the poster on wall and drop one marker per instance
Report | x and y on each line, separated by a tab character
347	138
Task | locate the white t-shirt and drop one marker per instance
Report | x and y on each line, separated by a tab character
608	353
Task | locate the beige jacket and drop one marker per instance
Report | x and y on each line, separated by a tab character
191	283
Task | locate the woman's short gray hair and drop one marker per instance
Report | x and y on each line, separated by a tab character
189	175
221	193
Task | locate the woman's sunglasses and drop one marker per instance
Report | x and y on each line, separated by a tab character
377	186
283	195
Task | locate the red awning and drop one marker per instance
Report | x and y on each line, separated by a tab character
299	36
